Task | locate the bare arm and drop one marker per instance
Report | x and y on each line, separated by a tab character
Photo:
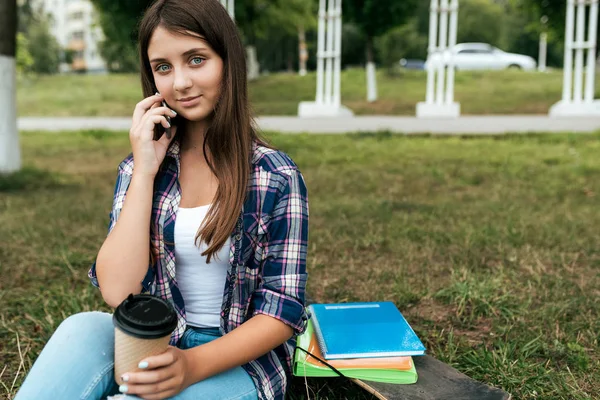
123	258
254	338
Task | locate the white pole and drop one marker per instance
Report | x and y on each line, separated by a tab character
579	28
10	155
329	52
231	9
443	37
451	44
543	52
591	59
321	53
431	51
337	80
568	67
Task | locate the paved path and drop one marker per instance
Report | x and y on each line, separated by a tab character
407	125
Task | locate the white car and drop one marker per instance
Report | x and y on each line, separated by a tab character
474	56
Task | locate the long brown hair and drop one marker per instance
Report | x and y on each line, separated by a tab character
231	133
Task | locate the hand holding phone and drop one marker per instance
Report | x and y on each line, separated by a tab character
161	130
149	124
167	130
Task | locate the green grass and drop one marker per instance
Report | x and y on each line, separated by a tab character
484	92
489	247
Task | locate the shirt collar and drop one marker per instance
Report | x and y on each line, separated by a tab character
174	148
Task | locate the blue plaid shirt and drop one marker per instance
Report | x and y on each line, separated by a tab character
267	257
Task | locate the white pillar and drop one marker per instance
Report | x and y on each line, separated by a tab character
439	101
329	55
578	100
230	6
337	78
10	155
371	82
543	49
542	52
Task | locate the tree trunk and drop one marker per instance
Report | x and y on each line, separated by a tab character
371	72
289	50
302	52
10	158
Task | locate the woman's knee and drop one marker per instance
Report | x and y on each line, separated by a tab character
86	322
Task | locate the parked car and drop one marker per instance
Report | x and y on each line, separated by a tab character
474	56
411	63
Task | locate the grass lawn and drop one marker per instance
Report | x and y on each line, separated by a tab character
489	247
486	92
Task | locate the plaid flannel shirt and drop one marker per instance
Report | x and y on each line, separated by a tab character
267	258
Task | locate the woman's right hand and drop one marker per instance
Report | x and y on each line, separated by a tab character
148	153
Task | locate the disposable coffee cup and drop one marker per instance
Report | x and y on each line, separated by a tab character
143	326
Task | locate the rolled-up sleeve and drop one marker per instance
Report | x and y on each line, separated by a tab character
282	291
120	192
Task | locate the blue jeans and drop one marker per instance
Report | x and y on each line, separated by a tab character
77	363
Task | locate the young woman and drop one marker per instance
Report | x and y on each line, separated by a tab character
207	217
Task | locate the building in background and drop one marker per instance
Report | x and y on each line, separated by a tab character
74	25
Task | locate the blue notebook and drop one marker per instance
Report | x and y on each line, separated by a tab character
359	330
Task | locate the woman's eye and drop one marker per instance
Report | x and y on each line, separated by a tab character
162	68
197	60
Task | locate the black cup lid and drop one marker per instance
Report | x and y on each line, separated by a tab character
145	316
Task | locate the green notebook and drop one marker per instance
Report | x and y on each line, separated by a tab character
388	375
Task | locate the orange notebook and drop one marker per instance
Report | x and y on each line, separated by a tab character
399	363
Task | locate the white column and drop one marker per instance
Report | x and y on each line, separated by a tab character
329	53
321	51
231	9
577	100
337	79
542	52
451	43
10	155
439	101
431	50
329	64
579	46
230	6
591	56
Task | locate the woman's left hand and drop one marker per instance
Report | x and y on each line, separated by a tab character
166	375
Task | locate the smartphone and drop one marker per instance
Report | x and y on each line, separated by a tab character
167	130
161	130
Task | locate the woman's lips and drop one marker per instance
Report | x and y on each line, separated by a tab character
189	101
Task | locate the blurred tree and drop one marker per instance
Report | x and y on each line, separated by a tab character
24	59
274	27
274	22
481	21
402	42
374	18
34	25
353	46
44	47
118	20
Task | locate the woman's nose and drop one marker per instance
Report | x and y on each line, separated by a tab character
182	81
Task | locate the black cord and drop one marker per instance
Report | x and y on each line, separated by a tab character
323	362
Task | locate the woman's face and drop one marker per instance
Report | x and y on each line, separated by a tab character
187	73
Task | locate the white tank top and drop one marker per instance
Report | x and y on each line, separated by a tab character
202	285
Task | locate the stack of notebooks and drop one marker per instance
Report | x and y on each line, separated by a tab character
367	341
